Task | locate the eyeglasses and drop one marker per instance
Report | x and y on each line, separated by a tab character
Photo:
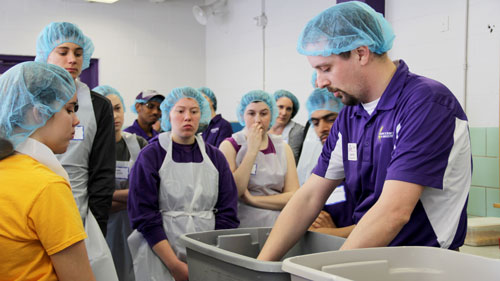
152	106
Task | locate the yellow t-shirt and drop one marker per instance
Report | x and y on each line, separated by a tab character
38	218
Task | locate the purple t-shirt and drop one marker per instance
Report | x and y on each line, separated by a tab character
217	131
136	129
418	133
144	182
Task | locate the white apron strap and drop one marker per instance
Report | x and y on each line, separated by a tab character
132	145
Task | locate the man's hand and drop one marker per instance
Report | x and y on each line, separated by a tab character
324	220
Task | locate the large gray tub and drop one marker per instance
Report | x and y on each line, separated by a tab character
222	255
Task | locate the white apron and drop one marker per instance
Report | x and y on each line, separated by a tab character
267	178
311	150
76	161
118	224
187	197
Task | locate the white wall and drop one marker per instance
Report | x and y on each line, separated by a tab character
437	50
234	51
430	37
431	40
484	63
139	44
146	45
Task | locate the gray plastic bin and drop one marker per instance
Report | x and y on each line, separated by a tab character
391	264
222	255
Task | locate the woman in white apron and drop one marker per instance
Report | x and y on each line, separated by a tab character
41	232
178	185
128	147
262	164
65	45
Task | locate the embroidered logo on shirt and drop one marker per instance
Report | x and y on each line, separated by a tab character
214	130
384	135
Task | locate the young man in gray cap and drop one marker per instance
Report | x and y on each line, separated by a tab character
147	107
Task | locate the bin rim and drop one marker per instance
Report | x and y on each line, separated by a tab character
228	256
293	266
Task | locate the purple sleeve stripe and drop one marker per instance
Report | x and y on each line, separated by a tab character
235	145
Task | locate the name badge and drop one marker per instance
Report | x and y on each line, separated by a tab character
121	173
352	152
337	196
254	170
79	133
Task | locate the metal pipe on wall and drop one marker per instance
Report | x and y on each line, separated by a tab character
262	22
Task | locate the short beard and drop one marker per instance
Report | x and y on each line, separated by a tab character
346	98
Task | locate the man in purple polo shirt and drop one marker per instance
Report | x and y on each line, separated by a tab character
147	107
401	143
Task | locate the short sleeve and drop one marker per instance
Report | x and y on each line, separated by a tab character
55	219
424	139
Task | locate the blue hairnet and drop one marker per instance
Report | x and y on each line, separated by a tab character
132	107
284	93
207	92
345	27
180	93
322	99
314	78
28	85
257	95
57	33
106	90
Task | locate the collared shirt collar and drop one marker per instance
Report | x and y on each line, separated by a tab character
142	133
216	118
391	93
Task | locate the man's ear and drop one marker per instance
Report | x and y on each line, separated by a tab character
363	54
138	107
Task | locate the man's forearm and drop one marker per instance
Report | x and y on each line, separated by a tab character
296	217
291	224
337	231
375	229
383	222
